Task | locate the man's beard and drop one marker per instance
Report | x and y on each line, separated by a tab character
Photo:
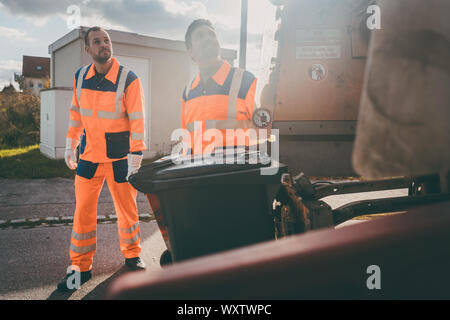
210	52
100	59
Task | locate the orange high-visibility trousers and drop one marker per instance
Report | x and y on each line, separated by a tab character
84	232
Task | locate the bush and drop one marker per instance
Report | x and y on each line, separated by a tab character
19	119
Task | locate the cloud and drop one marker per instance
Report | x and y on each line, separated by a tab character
155	17
151	17
14	34
12	65
97	20
38	22
42	8
183	9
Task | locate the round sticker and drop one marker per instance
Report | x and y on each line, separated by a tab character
261	118
317	72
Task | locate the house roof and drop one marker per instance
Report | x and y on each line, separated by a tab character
35	67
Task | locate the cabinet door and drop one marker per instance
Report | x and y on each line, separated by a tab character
48	118
142	68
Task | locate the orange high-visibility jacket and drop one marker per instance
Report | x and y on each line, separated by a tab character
111	112
225	102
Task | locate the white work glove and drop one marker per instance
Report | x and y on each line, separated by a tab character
134	163
69	155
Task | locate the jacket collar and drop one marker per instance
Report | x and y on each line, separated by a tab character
112	73
219	77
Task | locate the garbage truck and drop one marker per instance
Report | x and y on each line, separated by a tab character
342	97
315	55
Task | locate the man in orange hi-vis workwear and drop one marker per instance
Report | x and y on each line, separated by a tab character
108	109
220	98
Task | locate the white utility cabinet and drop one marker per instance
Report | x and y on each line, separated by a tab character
55	104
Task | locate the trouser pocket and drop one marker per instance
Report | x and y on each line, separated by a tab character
117	144
86	169
120	169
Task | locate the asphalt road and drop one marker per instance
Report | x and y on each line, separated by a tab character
37	198
34	260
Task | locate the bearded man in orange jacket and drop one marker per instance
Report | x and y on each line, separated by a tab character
220	100
108	111
216	107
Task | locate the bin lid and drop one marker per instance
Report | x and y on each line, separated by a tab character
220	168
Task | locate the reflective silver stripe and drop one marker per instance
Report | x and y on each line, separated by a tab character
130	241
84	249
190	127
84	236
74	123
82	111
136	115
117	114
110	115
222	124
234	92
131	229
121	89
227	124
188	90
75	108
230	122
137	136
80	83
86	112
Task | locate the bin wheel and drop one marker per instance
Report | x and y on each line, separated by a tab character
166	258
288	221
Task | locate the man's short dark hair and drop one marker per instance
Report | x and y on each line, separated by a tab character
194	25
86	35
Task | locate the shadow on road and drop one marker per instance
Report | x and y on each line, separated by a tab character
57	295
99	291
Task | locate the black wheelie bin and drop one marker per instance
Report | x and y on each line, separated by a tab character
203	206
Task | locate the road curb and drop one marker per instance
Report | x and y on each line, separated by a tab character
62	220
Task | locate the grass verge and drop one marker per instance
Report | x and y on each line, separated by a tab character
29	163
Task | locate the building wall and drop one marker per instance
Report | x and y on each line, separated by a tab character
67	60
34	84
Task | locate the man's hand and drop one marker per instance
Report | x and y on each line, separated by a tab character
69	155
71	159
134	163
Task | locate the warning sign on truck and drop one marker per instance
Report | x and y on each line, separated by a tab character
317	35
317	72
318	52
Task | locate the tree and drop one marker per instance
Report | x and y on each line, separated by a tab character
9	89
19	119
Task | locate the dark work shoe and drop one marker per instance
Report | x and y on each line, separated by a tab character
135	263
166	258
74	280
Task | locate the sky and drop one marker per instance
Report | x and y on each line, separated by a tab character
28	27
